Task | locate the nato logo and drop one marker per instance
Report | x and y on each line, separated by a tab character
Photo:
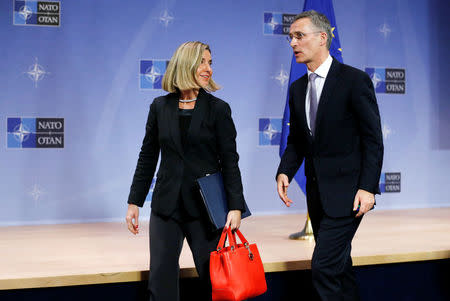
388	80
270	131
36	13
390	182
277	23
152	188
35	132
151	74
36	73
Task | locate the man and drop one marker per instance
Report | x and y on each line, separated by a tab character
335	128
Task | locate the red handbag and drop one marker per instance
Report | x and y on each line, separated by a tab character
237	272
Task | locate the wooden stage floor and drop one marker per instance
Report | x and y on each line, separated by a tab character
76	254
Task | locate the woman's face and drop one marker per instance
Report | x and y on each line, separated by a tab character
204	71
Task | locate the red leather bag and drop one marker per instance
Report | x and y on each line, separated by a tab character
237	272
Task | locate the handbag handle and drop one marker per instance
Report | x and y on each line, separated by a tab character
231	239
241	237
244	242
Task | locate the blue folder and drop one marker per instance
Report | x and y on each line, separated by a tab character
215	199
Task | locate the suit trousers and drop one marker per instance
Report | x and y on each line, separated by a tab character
166	241
332	272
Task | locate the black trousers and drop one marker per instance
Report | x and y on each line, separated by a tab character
166	240
332	272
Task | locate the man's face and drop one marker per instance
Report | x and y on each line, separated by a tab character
306	40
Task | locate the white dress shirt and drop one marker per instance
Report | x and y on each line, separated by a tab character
322	73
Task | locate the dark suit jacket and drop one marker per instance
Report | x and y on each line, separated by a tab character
211	148
346	152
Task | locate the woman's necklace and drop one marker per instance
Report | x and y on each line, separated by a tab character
187	100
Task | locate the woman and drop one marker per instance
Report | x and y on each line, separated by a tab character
196	136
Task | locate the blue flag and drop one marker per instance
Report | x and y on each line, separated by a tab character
298	70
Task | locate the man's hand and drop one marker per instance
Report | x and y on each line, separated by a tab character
364	200
133	214
282	186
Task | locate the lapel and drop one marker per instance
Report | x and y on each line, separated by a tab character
173	122
201	105
328	87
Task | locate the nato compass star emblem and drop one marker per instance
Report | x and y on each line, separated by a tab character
21	133
36	72
152	185
282	76
385	30
386	131
272	23
166	18
152	74
36	192
152	188
270	131
376	79
25	12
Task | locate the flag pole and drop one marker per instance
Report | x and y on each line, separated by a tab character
306	233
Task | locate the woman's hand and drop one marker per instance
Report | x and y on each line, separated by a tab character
133	214
233	219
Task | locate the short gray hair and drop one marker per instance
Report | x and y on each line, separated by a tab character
320	21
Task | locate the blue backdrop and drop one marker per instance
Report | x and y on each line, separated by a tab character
77	78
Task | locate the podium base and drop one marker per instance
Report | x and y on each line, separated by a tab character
306	233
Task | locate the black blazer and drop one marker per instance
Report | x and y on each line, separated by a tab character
211	148
346	152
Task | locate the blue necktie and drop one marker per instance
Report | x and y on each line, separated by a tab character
312	102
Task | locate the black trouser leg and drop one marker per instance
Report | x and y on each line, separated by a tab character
333	276
331	264
315	210
349	286
202	242
166	241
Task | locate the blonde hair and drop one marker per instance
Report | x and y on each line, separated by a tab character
181	71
